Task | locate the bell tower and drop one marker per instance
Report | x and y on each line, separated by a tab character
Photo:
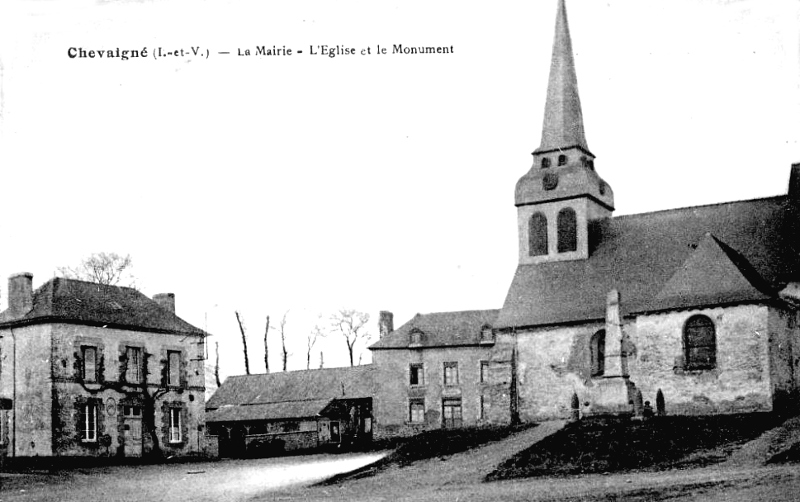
562	192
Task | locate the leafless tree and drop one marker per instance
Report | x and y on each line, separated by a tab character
316	333
102	268
321	360
216	365
352	326
282	331
266	347
244	342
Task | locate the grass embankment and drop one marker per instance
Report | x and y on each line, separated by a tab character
600	445
439	443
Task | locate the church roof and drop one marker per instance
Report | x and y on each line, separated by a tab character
441	329
289	394
74	301
680	258
563	119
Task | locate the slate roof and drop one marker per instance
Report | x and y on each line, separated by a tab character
441	329
680	258
290	394
74	301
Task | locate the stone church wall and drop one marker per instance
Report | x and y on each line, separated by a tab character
553	363
741	380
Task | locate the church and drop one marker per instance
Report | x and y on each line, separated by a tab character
696	309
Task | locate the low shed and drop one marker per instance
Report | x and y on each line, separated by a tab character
267	414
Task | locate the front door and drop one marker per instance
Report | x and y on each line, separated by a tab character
451	413
132	430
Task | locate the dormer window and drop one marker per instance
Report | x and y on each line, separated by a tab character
486	334
416	337
545	162
562	160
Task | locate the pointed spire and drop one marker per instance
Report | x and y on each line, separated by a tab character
563	120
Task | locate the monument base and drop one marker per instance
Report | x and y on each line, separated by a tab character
613	395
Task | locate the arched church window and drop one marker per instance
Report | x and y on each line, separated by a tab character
537	234
562	160
567	227
545	162
597	348
699	343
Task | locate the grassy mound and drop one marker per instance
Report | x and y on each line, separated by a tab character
614	444
438	443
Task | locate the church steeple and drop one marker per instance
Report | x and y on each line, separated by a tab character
561	194
563	120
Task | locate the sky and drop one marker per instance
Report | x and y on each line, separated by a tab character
308	184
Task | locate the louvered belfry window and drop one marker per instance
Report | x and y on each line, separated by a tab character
537	234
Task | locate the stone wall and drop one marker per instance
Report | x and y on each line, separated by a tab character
740	382
553	363
755	344
25	379
395	391
50	389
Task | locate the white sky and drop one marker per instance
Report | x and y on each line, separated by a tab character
370	182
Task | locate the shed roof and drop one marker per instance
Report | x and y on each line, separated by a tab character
290	394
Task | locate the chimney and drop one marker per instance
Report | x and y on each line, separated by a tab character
166	301
20	293
385	323
794	184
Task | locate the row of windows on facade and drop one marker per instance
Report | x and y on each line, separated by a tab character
699	346
566	231
449	373
133	365
562	161
452	415
89	425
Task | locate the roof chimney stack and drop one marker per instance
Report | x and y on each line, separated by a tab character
385	323
166	301
794	184
20	293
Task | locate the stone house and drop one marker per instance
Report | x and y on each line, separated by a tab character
94	370
433	371
266	414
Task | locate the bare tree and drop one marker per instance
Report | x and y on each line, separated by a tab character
282	331
102	268
352	326
244	342
216	366
266	347
316	333
321	360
